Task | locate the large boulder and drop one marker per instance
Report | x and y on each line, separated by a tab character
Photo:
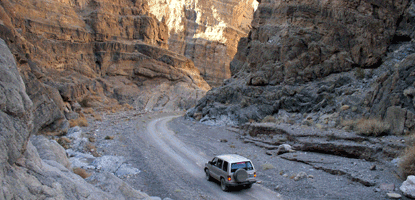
15	109
111	184
408	187
50	150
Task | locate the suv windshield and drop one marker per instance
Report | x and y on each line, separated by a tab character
246	165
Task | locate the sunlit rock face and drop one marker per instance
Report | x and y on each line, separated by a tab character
96	53
206	32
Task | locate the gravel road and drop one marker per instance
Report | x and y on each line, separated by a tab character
171	151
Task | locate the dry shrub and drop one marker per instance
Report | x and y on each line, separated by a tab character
64	142
360	73
267	166
90	101
81	172
90	147
410	139
80	121
372	127
128	107
349	123
97	117
407	162
109	137
270	119
88	111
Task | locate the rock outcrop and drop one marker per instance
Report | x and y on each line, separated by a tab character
24	173
325	60
97	53
207	32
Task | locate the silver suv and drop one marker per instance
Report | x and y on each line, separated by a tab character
231	170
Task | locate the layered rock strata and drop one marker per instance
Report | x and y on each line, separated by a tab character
95	53
328	61
207	32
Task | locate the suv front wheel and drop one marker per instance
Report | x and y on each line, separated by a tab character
208	177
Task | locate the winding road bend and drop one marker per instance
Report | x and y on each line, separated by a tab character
187	164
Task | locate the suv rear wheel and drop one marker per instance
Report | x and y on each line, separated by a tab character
223	185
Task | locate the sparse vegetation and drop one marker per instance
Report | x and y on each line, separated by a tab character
244	103
92	139
109	137
360	73
407	162
367	127
97	117
88	111
269	119
90	100
372	127
128	107
64	142
267	166
90	147
81	172
80	121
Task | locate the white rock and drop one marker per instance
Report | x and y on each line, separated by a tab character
108	163
299	176
393	195
74	132
125	170
408	187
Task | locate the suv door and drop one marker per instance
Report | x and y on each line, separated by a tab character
225	167
217	169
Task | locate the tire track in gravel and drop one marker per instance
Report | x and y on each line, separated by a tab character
187	161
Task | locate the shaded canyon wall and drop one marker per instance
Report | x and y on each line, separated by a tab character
325	61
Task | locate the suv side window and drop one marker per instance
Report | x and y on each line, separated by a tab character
214	161
219	163
225	166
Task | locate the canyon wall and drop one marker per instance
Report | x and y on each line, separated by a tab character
24	172
97	53
207	32
321	61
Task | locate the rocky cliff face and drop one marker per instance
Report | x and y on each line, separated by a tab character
207	32
95	53
24	173
321	61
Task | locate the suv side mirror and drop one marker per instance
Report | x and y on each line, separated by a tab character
210	162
